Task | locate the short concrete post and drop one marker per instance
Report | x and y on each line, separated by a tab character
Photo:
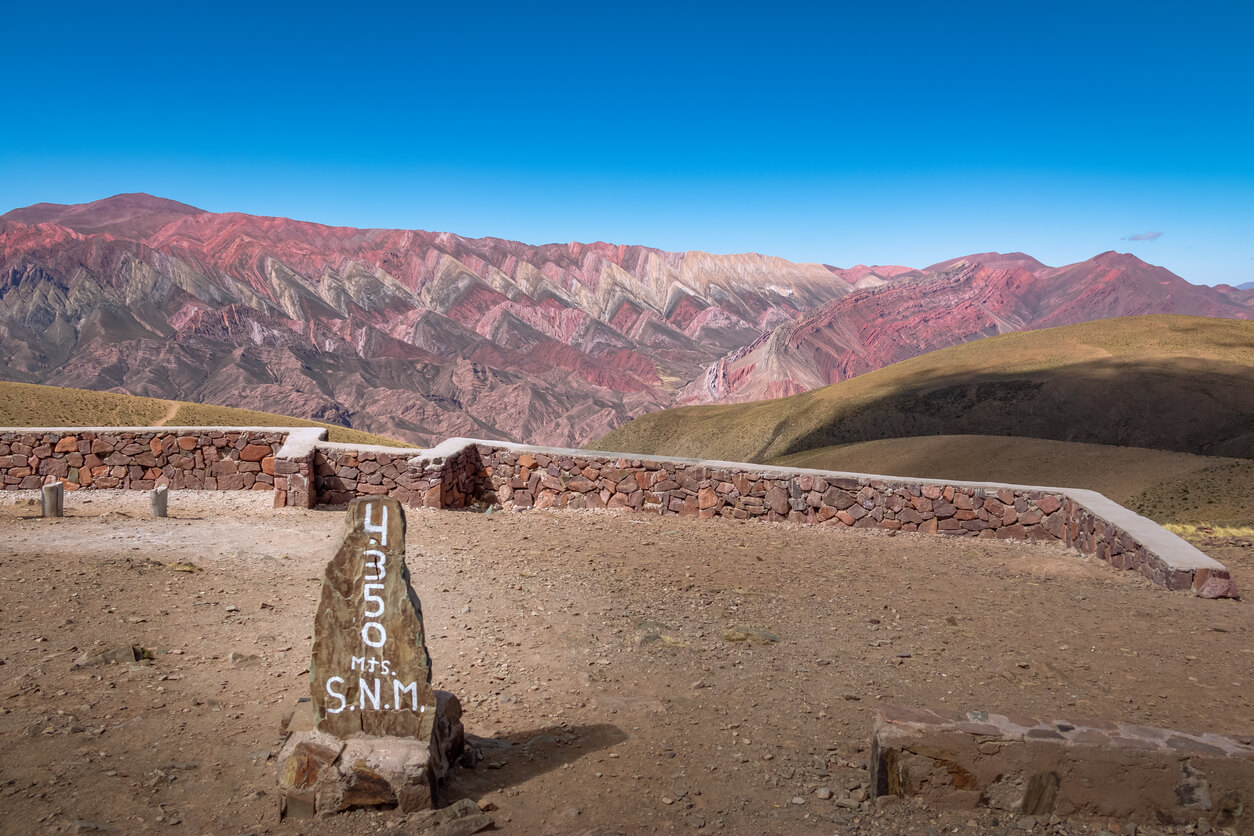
54	500
158	500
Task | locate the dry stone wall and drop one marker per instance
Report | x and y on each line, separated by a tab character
138	459
520	478
302	469
415	477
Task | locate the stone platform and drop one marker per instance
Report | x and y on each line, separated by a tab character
321	774
1132	773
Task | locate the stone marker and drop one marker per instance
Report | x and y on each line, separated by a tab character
158	501
371	672
376	733
53	504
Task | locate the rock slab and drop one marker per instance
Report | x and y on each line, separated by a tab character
1116	770
371	672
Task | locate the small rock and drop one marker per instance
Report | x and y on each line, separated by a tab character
796	799
1027	823
755	635
232	608
121	654
461	818
824	793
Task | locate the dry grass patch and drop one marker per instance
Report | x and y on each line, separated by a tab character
208	415
1233	532
1221	494
34	405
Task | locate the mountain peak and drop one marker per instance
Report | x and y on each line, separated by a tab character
1116	257
133	213
994	260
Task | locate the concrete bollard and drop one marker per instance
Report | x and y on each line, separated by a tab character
54	500
158	501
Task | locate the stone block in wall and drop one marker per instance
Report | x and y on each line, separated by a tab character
255	452
1214	583
1028	767
230	482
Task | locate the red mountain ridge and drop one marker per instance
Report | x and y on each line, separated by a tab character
422	335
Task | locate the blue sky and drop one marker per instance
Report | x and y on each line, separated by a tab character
905	133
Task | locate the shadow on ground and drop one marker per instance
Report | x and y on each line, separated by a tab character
519	757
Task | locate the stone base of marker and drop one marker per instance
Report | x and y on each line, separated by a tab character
320	774
1097	769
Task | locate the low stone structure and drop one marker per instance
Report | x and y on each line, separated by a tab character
1022	765
378	734
302	469
141	458
522	477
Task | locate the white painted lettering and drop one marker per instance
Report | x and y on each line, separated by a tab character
379	564
373	599
336	694
377	628
381	528
398	690
358	663
366	693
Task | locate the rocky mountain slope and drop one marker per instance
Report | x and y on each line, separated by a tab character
413	334
420	335
947	304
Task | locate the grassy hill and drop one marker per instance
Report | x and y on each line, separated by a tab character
32	405
1175	383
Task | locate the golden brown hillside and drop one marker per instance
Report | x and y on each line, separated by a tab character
1163	382
32	405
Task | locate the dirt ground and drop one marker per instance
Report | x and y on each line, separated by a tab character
622	673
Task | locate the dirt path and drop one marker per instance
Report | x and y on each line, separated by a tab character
170	412
607	662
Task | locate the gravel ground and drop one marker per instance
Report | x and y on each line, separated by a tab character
619	673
